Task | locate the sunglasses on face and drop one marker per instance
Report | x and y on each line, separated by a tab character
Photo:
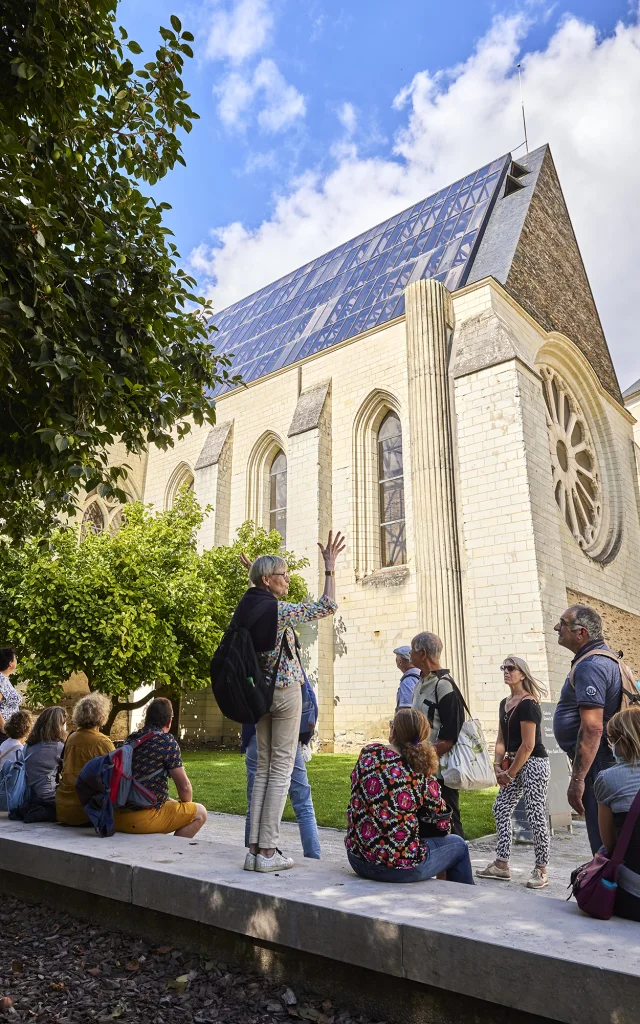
507	668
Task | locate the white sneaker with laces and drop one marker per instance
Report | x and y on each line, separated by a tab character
276	863
250	862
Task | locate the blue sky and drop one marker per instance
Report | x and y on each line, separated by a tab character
320	118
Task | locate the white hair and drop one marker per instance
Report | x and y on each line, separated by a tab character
266	565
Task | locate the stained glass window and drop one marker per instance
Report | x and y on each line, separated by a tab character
278	496
393	543
360	284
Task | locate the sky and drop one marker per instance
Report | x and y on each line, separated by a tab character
320	118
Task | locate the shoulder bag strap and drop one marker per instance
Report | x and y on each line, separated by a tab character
460	695
626	832
590	654
274	674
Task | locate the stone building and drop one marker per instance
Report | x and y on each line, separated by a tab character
441	390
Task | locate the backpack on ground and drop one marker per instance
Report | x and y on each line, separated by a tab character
13	782
242	691
630	694
106	783
468	764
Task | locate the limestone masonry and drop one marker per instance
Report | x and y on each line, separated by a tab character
474	448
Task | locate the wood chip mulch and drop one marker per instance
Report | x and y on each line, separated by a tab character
57	968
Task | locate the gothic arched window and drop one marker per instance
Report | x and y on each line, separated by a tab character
93	519
393	541
278	495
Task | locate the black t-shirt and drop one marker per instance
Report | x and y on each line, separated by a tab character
526	711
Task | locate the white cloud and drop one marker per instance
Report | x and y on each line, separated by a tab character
239	30
238	92
581	96
283	104
348	117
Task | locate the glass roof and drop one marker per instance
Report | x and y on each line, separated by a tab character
361	283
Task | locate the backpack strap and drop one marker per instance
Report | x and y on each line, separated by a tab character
590	654
456	689
626	832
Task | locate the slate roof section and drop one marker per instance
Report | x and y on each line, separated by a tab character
360	284
632	390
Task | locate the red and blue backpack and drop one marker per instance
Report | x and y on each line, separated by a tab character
106	783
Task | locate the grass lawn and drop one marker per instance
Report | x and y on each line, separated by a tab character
218	779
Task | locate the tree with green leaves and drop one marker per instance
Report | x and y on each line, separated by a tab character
101	334
141	608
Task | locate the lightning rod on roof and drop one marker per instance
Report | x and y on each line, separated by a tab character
524	120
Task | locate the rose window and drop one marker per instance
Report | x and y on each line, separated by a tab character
576	481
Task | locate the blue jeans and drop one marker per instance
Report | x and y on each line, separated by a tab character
603	759
446	853
299	794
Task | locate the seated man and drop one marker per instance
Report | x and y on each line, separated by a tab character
161	754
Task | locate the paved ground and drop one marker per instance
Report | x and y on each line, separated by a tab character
567	851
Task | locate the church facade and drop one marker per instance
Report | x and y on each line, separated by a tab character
439	389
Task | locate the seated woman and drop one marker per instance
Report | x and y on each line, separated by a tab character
17	729
43	758
397	822
89	714
615	790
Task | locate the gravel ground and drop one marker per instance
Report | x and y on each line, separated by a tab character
56	968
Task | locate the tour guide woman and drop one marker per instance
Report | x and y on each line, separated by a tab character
397	822
521	766
278	730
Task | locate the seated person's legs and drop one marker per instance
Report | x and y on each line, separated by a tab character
184	819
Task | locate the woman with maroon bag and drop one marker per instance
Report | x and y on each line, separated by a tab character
615	790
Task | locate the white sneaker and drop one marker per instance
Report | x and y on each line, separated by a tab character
250	862
276	863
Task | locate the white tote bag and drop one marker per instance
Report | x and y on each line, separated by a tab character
468	764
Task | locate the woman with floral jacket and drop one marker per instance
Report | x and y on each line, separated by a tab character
398	825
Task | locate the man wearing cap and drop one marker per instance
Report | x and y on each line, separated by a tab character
409	678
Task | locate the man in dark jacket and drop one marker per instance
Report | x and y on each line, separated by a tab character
439	699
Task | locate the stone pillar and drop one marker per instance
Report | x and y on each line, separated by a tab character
429	320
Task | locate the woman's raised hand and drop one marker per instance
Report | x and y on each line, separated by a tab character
244	561
334	547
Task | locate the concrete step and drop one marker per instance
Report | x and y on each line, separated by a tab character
496	946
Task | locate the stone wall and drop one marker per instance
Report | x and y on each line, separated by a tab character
548	278
621	628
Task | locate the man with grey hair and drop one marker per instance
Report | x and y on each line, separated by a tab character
440	700
591	695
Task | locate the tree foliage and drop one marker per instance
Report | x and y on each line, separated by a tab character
101	334
139	608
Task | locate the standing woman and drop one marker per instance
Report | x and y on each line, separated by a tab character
10	699
521	766
277	732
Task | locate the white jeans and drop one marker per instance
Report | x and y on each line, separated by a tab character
277	734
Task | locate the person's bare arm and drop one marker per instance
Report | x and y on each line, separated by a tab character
500	748
442	746
607	827
182	784
329	554
587	744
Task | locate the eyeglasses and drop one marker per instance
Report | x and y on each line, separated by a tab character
281	574
508	668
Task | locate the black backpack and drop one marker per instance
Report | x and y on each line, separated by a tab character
240	687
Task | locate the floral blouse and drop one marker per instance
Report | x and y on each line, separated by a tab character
290	615
11	698
382	817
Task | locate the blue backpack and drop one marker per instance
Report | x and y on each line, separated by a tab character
106	783
13	782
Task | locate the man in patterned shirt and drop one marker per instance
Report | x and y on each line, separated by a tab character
159	757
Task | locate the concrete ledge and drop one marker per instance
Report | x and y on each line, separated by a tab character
508	948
